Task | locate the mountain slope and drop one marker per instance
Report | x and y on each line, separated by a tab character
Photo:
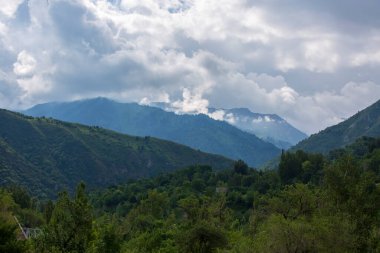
269	127
48	155
196	131
364	123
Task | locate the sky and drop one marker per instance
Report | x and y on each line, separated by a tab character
314	63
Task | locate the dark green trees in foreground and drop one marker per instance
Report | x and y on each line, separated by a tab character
70	226
8	228
311	204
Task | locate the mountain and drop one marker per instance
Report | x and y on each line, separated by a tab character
197	131
47	155
364	123
268	127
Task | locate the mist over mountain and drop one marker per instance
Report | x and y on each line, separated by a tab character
268	127
197	131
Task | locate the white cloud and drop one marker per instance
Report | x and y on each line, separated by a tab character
191	103
25	64
321	56
365	58
217	115
35	85
268	82
262	119
285	94
8	8
194	54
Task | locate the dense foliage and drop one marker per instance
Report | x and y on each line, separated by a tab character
326	204
196	131
364	123
47	155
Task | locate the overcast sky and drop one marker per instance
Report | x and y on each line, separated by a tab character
312	62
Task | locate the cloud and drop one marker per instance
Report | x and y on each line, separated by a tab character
307	112
9	8
366	58
25	64
8	90
303	60
262	119
191	103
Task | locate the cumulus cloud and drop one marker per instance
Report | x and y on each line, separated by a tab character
25	64
191	103
310	62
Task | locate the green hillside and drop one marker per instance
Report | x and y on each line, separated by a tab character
364	123
313	203
196	131
48	155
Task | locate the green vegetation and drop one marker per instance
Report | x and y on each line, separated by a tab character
196	131
364	123
48	156
311	204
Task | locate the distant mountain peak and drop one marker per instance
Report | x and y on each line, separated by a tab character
269	127
240	110
96	99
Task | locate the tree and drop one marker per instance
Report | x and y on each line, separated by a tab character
108	237
300	167
294	201
21	196
48	210
289	168
8	239
354	191
241	167
203	238
319	234
8	228
70	226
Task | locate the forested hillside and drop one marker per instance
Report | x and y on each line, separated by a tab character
311	204
48	155
364	123
196	131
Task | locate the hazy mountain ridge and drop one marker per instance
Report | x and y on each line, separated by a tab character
268	127
197	131
48	154
363	123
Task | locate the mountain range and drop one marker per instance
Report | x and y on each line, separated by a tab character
196	131
46	155
268	127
